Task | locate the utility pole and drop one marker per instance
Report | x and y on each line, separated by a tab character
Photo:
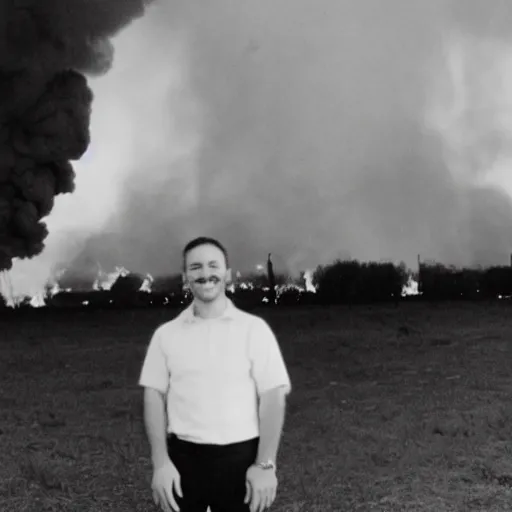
420	283
271	280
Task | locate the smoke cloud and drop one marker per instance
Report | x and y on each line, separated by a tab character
312	130
45	106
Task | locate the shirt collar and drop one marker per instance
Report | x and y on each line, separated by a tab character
228	314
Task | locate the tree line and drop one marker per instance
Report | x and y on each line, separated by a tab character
341	282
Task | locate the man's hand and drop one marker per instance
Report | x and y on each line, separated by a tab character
164	478
261	485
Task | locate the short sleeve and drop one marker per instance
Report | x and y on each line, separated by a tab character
154	372
267	363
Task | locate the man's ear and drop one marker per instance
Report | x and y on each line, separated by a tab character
184	281
229	276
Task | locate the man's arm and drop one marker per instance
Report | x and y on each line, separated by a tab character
154	378
272	405
155	421
272	385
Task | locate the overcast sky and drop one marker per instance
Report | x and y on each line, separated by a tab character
314	130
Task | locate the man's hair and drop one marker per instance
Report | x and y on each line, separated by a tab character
204	240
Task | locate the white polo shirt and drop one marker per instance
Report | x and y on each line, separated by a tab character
212	372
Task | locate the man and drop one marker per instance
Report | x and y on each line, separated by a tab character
214	400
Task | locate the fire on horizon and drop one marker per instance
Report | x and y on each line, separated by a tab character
105	280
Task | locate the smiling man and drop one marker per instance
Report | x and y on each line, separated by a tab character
214	400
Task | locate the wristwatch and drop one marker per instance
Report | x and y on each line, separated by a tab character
269	464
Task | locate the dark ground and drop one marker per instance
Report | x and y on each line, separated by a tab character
402	408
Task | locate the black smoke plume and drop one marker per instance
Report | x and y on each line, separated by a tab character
46	47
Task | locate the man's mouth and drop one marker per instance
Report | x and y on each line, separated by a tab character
208	282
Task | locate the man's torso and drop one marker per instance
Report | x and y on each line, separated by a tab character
212	395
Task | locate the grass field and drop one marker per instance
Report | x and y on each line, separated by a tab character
404	408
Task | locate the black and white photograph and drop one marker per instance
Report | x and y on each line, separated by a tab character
255	256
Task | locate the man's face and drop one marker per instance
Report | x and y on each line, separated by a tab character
206	272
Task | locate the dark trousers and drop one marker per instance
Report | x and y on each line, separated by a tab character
212	475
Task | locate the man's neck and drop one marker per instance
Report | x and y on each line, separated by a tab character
213	309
